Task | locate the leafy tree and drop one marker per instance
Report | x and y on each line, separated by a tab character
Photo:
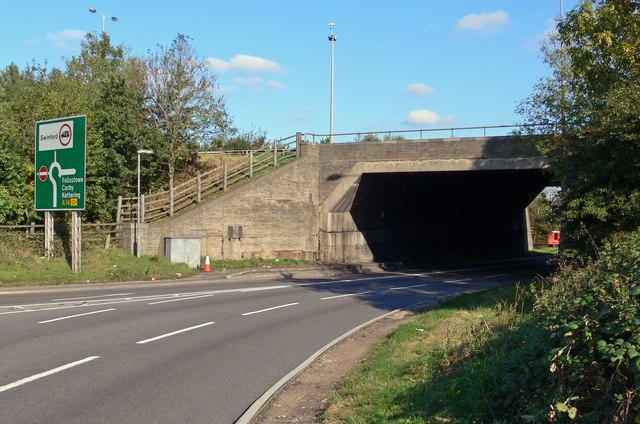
114	87
590	121
26	97
182	103
367	137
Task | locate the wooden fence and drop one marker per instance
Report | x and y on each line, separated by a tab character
93	235
156	206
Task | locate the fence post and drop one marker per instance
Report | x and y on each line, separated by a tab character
142	208
224	177
171	196
199	188
275	154
251	164
119	210
298	143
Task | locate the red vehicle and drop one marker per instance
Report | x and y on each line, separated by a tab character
554	238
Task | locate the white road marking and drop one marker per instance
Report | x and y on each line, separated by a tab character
46	373
254	289
92	297
179	299
409	287
75	316
184	330
345	295
458	281
270	309
496	275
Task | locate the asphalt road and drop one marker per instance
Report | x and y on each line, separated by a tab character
192	352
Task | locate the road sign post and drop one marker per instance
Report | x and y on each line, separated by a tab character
60	176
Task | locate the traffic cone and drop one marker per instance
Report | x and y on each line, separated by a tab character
207	263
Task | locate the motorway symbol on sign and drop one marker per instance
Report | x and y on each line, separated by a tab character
60	161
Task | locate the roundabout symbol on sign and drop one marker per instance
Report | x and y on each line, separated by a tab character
65	134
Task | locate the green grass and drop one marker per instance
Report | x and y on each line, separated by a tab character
442	367
97	266
22	265
256	263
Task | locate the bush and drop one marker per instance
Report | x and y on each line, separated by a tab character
593	319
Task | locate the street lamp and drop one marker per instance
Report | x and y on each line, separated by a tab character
112	18
332	39
136	245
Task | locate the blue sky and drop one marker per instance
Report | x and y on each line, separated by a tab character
399	65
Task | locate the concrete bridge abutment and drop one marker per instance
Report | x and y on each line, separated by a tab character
374	201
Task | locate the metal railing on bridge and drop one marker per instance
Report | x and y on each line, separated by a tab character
422	134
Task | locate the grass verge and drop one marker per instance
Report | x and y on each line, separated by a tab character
97	266
442	367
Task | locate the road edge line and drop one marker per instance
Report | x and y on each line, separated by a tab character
259	403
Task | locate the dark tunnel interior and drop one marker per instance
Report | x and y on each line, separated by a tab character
453	215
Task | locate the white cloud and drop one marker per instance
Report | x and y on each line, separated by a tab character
419	89
67	38
485	22
426	117
244	62
255	82
276	85
218	65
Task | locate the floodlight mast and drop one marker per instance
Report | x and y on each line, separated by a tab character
332	39
112	18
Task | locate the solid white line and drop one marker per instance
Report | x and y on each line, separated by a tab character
74	316
92	297
182	298
46	373
269	309
496	275
410	287
153	339
254	289
345	295
458	281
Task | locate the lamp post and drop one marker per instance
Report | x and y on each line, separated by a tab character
112	18
136	245
332	40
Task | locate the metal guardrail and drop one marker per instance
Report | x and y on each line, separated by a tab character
209	184
423	134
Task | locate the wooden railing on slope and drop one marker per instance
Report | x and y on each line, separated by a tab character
156	206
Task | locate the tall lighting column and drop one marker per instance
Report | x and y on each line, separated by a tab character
332	39
112	18
138	220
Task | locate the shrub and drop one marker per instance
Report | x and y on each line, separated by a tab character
593	318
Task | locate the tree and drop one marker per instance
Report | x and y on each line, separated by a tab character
182	103
114	99
589	119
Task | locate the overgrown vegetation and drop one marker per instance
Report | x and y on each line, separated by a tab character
589	123
564	349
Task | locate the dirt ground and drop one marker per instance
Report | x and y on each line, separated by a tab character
306	396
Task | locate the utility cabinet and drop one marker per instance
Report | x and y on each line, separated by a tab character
183	249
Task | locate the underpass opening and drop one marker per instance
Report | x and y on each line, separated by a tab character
445	216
